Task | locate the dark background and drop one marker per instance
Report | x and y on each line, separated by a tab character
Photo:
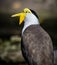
10	30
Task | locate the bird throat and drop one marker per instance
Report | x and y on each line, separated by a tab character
30	20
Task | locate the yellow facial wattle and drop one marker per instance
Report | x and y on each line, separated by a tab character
22	15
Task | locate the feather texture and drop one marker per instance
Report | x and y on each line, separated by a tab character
37	46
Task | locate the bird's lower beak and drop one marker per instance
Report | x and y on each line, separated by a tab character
21	15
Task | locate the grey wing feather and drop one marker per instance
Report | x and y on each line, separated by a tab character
37	47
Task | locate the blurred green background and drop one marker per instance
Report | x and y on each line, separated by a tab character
10	30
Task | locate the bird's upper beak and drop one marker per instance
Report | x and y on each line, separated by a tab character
21	15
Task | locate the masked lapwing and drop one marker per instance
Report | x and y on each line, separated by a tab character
36	44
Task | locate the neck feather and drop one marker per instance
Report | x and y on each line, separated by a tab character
30	20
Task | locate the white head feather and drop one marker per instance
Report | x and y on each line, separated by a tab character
30	19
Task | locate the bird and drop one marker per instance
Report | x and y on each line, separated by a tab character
36	43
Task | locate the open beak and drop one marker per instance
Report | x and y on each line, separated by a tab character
21	15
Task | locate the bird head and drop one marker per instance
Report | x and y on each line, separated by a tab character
22	15
28	16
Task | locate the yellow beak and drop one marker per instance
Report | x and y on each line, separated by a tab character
21	15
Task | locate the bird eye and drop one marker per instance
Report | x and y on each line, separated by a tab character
27	12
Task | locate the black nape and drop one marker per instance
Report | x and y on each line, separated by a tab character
34	13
